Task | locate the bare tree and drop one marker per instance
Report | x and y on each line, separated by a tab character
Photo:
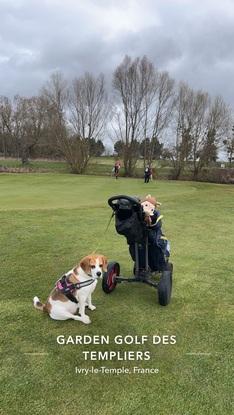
5	125
130	86
229	146
56	94
189	124
88	113
32	124
181	150
22	120
150	80
209	127
143	108
157	110
77	115
200	124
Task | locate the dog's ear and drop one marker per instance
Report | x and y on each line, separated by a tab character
85	264
104	261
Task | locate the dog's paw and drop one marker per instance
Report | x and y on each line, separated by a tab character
86	320
92	307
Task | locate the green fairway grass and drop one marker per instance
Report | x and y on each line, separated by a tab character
97	166
48	223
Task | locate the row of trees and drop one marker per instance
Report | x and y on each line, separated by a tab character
151	107
145	111
64	121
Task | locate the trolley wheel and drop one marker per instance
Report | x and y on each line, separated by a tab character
109	277
165	288
169	267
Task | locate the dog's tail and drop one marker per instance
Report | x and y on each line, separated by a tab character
37	304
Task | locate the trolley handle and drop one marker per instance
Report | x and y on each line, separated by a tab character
113	201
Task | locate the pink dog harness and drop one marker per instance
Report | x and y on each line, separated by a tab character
68	288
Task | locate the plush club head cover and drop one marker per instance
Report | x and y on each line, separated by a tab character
149	204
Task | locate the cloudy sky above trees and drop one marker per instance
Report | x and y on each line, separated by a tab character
193	40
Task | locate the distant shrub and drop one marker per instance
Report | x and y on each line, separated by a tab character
5	169
217	175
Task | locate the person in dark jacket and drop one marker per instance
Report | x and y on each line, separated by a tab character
147	174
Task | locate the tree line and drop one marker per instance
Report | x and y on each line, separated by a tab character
145	112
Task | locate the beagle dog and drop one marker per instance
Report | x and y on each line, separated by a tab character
72	292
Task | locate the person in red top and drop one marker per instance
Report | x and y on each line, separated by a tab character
117	168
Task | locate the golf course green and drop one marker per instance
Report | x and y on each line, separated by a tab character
48	223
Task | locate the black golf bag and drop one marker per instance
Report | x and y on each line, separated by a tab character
130	222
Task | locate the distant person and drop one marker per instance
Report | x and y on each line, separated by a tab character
147	174
117	169
150	174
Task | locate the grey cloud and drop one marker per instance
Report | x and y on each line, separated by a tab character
193	41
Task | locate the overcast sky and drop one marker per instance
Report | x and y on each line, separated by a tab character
193	40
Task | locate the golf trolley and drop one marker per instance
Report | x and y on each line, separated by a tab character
148	250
